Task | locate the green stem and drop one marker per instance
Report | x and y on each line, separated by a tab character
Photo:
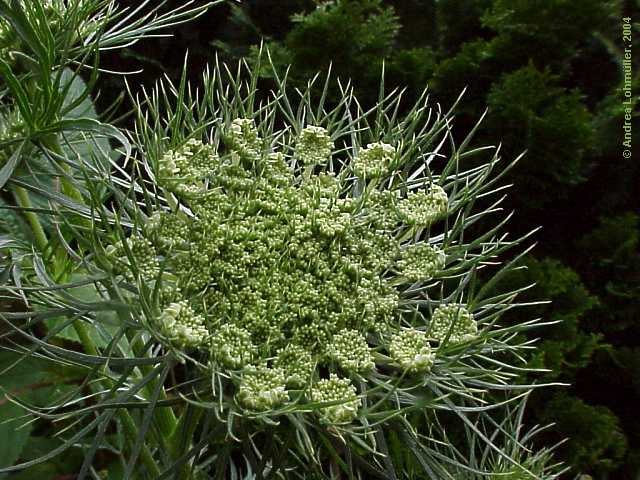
165	417
181	440
23	200
128	423
67	186
131	430
85	339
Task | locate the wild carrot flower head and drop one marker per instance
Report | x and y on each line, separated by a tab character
282	270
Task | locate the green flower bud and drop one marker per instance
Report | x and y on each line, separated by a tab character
182	325
297	364
262	388
454	320
411	351
336	389
182	170
373	161
232	346
243	139
145	262
423	208
351	351
421	262
313	146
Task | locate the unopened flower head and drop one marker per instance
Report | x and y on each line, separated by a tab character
145	264
244	139
373	161
291	274
262	388
182	169
335	389
297	364
183	326
295	274
232	346
411	351
351	351
452	320
422	208
313	146
421	262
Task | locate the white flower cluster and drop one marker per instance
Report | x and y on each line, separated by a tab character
335	389
423	208
410	349
244	139
183	169
145	260
262	388
183	326
297	364
232	346
453	320
421	262
313	146
351	351
373	161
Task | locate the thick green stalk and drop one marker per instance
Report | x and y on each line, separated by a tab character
23	200
165	417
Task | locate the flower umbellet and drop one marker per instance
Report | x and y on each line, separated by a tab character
182	326
373	161
337	390
411	350
421	262
424	207
453	322
313	146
